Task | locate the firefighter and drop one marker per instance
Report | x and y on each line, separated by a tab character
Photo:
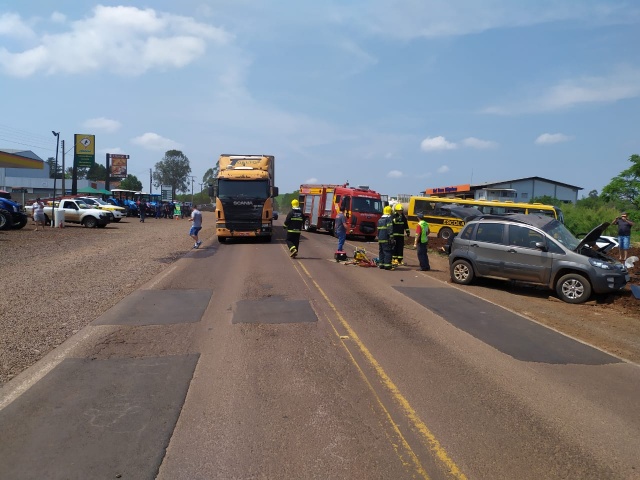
385	239
293	226
400	229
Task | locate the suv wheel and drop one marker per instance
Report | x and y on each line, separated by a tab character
573	288
462	272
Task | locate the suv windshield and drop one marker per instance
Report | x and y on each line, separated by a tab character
561	234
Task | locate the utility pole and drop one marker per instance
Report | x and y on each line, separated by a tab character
150	182
64	188
192	180
55	177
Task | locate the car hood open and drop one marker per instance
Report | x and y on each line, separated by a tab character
592	236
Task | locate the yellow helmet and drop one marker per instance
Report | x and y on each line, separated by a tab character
295	203
387	210
398	207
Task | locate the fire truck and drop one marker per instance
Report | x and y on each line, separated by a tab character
320	205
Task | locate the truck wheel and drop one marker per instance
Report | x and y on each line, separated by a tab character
461	272
306	225
90	222
445	233
47	221
117	219
22	223
222	239
573	288
6	220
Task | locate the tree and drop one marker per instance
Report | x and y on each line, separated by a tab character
131	183
210	175
51	161
174	170
96	172
626	186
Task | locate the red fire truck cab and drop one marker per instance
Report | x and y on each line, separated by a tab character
320	205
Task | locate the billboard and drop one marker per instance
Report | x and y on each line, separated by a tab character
84	151
118	167
166	193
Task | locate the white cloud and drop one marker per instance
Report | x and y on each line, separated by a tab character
102	124
620	84
103	151
551	138
441	18
311	180
153	141
443	169
433	144
11	25
125	40
58	17
473	142
395	174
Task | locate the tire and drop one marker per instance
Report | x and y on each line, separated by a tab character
90	222
6	220
22	223
573	288
117	219
47	221
370	238
101	225
222	239
445	233
462	272
306	225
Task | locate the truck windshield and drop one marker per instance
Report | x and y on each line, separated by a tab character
366	205
243	188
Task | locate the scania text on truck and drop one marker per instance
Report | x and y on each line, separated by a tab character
244	189
321	203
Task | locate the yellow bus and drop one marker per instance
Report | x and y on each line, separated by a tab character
446	215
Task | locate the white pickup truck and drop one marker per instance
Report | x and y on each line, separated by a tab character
76	211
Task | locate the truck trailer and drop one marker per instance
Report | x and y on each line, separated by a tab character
321	203
244	189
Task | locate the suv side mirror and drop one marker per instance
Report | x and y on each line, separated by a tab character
542	246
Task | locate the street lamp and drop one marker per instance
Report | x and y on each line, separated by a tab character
55	177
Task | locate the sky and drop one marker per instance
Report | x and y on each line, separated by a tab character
400	95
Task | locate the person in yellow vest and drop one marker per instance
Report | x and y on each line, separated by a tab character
421	242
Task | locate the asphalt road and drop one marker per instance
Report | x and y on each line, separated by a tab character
240	363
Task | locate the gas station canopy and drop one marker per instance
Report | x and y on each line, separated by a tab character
11	160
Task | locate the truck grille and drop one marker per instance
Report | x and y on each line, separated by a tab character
243	217
368	227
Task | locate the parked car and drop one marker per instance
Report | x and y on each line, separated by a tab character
535	249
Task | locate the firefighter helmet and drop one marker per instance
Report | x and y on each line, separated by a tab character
295	203
398	207
387	210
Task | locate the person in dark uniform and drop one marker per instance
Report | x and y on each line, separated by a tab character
385	239
400	229
293	226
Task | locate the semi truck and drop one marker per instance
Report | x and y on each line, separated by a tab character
321	203
244	189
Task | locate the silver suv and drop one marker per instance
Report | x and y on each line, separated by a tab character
535	249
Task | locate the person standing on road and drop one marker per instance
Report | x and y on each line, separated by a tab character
38	213
385	239
143	210
400	229
196	218
624	234
421	242
340	227
293	226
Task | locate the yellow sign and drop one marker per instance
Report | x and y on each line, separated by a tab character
85	150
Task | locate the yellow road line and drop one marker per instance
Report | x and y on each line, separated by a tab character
410	413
